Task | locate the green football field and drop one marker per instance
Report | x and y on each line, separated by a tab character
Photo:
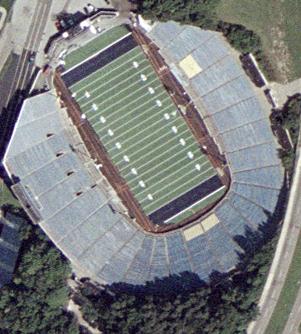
143	132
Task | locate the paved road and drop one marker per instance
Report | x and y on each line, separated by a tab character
283	256
21	72
24	69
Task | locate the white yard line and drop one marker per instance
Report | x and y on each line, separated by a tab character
163	128
82	106
156	166
183	176
194	204
174	189
130	113
144	148
163	162
118	102
109	125
127	106
154	158
139	126
174	172
132	119
113	78
105	75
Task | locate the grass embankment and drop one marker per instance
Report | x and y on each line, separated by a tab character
6	66
278	25
7	4
6	197
288	294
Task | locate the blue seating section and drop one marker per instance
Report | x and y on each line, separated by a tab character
159	263
178	255
266	177
201	256
225	249
99	240
138	272
9	246
5	277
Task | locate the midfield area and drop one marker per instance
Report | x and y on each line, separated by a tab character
143	131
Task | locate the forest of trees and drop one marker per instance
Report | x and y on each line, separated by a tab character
34	302
200	13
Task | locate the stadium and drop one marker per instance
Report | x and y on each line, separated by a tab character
151	156
148	134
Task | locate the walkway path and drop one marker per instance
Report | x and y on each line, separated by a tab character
283	256
72	307
3	14
294	319
282	92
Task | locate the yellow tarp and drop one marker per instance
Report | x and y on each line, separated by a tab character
200	228
190	66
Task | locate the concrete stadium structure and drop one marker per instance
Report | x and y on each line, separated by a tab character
62	189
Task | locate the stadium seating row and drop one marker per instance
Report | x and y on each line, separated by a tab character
9	246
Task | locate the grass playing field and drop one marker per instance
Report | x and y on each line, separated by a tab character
277	23
143	132
97	44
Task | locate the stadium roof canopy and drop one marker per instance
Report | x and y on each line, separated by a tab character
55	180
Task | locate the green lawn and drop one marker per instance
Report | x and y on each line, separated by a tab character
7	4
6	197
278	24
288	294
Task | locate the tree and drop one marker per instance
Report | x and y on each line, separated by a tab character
200	13
35	301
242	39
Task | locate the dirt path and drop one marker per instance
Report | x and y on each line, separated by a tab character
280	53
72	307
282	92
